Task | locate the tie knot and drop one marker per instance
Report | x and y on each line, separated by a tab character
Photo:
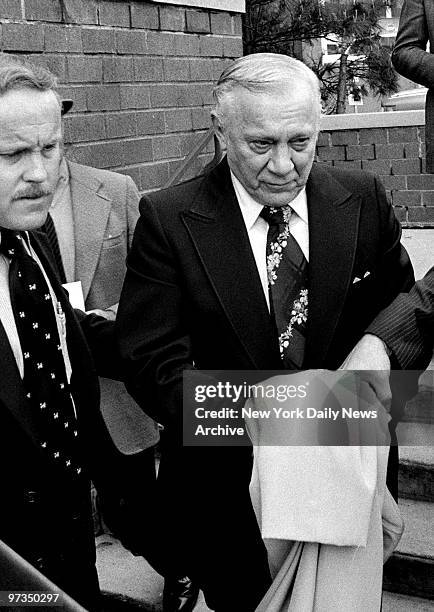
10	241
276	216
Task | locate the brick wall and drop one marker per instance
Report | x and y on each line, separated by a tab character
140	74
396	153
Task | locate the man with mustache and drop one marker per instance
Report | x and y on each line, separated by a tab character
202	292
52	437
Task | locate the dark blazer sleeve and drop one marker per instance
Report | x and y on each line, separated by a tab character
407	325
154	341
101	340
409	56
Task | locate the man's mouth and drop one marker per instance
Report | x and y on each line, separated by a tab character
32	196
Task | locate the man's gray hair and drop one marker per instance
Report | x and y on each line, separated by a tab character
259	72
16	73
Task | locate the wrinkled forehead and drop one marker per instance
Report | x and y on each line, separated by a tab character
285	92
29	118
279	100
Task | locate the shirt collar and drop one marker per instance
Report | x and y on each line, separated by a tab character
251	209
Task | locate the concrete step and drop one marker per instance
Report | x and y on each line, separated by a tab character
420	408
411	568
415	434
393	602
129	583
416	472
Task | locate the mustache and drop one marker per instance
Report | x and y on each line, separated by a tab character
35	191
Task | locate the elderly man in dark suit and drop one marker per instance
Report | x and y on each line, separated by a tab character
52	436
204	276
411	58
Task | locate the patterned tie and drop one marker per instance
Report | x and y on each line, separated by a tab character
50	231
45	380
287	272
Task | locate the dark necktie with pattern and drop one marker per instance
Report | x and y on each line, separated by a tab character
287	271
45	380
50	231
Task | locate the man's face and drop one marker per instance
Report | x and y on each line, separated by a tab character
30	154
270	141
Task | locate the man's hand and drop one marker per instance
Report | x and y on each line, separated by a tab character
107	314
370	354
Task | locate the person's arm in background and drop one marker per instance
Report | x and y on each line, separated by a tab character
101	339
407	325
409	55
403	332
132	199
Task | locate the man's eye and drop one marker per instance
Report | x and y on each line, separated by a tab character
50	147
13	156
260	145
300	142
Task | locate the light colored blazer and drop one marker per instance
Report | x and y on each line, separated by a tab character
105	209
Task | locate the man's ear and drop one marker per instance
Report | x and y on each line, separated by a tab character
219	130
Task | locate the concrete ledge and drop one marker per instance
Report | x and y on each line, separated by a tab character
233	6
372	120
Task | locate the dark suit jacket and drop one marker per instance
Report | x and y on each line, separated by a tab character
407	325
411	59
40	518
192	298
192	271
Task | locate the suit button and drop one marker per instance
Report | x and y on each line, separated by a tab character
40	563
31	497
76	515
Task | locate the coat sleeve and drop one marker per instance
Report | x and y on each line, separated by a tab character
101	340
407	325
152	327
409	56
132	203
395	271
129	199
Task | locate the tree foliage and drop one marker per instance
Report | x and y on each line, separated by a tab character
292	26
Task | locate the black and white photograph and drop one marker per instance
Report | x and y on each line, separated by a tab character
216	305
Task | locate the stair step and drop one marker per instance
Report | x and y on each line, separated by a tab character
419	408
416	472
411	568
415	434
393	602
418	537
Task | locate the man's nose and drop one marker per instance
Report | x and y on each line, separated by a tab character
280	161
35	170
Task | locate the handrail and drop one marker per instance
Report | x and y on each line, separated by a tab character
194	154
18	575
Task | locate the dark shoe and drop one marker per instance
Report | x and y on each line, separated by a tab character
179	595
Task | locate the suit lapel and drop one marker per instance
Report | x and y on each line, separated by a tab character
12	391
218	232
333	227
91	207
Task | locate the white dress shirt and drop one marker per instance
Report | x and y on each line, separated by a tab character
257	227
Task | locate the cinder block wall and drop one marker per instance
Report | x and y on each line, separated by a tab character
140	74
396	154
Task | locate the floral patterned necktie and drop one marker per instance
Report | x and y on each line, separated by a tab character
287	272
45	380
